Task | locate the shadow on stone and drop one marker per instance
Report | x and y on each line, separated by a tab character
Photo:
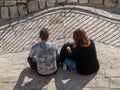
30	80
73	81
62	80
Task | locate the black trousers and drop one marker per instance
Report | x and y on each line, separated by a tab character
33	63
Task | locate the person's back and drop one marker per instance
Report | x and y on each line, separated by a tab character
86	59
43	55
81	54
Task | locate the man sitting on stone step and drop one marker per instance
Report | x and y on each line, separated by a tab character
43	55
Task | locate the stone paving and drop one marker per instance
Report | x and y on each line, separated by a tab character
15	73
16	38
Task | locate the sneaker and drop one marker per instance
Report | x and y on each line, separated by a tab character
64	66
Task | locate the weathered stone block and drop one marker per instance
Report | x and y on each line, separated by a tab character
101	73
61	1
33	6
42	4
96	89
110	3
13	12
21	1
4	13
115	83
96	1
22	9
1	3
72	1
92	83
10	3
119	4
50	3
83	1
102	82
112	73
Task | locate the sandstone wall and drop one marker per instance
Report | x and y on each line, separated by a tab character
14	8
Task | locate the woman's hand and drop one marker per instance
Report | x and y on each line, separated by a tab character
69	49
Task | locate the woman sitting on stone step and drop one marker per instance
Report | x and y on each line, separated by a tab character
81	54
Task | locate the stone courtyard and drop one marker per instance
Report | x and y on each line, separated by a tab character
18	35
15	73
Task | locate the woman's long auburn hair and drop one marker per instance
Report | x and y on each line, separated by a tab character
80	37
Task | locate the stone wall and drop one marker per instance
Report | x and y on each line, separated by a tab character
14	8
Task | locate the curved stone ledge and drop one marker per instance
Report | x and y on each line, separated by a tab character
20	34
15	8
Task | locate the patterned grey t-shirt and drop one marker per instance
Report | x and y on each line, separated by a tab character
45	54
